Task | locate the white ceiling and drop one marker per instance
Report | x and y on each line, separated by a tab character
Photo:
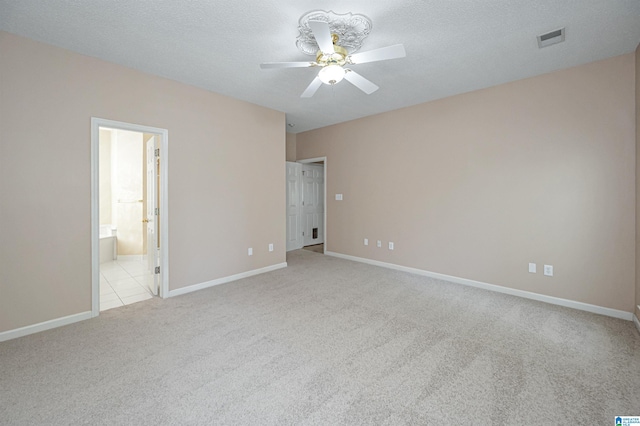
453	46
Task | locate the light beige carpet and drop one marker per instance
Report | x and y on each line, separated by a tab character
327	341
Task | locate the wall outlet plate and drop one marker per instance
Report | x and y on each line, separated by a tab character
532	268
366	241
338	197
548	270
379	243
390	245
250	251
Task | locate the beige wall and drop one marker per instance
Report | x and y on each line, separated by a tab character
221	200
478	185
637	72
291	147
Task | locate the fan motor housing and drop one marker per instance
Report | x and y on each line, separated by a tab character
339	57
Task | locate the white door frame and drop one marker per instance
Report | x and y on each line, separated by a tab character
151	228
299	241
96	123
324	160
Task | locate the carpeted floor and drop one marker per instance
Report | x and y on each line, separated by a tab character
327	341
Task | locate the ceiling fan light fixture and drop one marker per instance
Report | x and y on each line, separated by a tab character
331	74
334	39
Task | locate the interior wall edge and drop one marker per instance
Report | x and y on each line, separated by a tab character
637	146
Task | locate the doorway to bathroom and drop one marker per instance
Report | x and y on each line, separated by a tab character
129	197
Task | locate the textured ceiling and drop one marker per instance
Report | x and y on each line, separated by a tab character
453	46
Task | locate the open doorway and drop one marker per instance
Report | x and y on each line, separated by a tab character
306	201
129	235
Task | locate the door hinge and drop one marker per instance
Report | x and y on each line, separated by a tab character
303	233
157	152
157	269
303	202
157	211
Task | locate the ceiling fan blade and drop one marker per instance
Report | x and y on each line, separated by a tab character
267	65
322	34
382	54
312	88
360	82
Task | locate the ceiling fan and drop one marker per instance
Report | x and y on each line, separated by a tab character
333	59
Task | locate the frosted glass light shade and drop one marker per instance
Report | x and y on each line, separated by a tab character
331	74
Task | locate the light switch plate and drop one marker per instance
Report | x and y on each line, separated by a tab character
338	197
390	245
532	268
270	247
379	243
250	251
366	241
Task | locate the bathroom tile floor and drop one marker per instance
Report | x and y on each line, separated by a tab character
123	282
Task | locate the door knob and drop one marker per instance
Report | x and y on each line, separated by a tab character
145	220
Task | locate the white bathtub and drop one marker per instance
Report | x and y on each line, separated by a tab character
108	243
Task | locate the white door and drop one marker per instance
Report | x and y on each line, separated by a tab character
312	204
294	210
152	209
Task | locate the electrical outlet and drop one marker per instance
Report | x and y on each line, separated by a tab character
366	241
390	245
270	247
379	243
548	270
338	197
532	268
250	251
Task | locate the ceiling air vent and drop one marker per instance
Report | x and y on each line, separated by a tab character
552	37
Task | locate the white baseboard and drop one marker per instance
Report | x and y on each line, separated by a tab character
636	322
615	313
47	325
59	322
223	280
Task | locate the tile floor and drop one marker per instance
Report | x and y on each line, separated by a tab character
123	282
